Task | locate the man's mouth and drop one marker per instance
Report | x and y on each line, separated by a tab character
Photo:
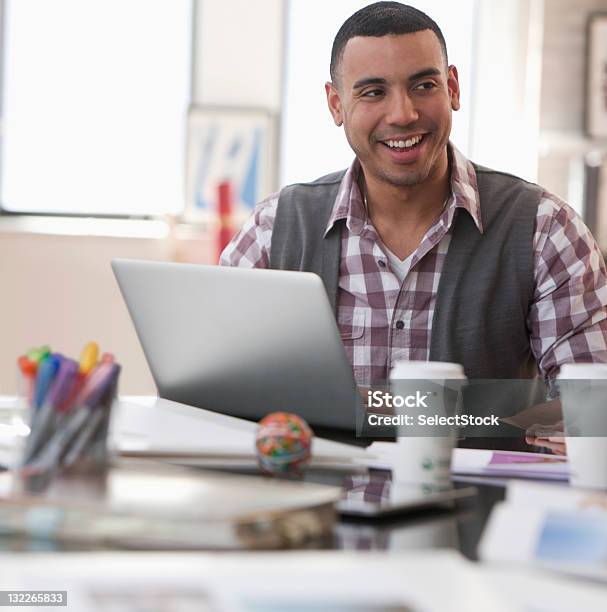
407	144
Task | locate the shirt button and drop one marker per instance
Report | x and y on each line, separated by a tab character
400	324
381	263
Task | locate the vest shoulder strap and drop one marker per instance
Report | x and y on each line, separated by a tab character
298	237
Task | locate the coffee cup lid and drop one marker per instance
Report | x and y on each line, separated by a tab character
427	370
583	371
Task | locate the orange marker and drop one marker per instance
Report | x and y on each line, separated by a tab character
88	358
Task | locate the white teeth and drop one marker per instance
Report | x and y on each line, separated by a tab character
403	144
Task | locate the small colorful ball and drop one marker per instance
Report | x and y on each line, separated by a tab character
284	443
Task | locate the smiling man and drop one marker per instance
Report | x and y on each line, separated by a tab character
424	254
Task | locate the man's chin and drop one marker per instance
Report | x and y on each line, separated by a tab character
408	179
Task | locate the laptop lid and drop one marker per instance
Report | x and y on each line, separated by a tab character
241	342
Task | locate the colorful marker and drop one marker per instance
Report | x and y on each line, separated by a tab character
63	383
27	378
88	357
98	417
38	354
45	419
96	384
47	369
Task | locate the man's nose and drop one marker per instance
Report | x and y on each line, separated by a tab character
402	110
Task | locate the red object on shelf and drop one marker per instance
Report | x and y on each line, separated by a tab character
225	210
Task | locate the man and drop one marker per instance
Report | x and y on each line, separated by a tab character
425	255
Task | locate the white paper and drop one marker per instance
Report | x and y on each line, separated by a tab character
424	581
162	427
550	526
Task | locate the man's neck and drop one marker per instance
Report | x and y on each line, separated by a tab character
403	214
406	205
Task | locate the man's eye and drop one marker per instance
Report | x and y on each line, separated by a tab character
372	93
425	85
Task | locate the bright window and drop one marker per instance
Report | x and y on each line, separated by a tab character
95	95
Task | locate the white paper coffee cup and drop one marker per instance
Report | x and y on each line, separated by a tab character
432	370
426	460
586	454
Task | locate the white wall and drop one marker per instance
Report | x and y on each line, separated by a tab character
58	289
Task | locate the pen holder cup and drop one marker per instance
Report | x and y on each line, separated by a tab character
69	438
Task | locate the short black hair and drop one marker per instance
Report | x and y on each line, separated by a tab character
380	19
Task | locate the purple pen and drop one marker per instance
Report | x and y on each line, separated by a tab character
44	421
63	383
94	384
91	438
95	392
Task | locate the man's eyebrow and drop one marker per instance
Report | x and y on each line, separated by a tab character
369	81
426	72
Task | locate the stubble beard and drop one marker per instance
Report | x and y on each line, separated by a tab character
407	179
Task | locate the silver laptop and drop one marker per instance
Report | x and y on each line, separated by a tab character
241	342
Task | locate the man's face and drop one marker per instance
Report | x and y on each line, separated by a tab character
394	91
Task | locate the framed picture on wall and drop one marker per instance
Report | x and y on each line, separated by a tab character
596	76
231	153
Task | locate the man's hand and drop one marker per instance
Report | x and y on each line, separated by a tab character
542	415
551	437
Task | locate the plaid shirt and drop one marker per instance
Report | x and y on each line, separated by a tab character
567	320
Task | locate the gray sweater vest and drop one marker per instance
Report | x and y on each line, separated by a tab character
487	281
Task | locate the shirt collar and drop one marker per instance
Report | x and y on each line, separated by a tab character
349	204
464	188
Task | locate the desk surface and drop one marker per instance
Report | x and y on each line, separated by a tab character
458	528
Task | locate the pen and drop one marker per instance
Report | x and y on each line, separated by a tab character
88	357
88	360
98	415
63	383
27	378
38	354
47	369
98	446
95	384
45	419
28	364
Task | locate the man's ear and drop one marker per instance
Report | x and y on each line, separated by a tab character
334	103
453	85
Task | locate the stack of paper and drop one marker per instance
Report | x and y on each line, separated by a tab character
485	463
509	464
13	430
154	427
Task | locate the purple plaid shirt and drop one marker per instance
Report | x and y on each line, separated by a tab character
567	320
